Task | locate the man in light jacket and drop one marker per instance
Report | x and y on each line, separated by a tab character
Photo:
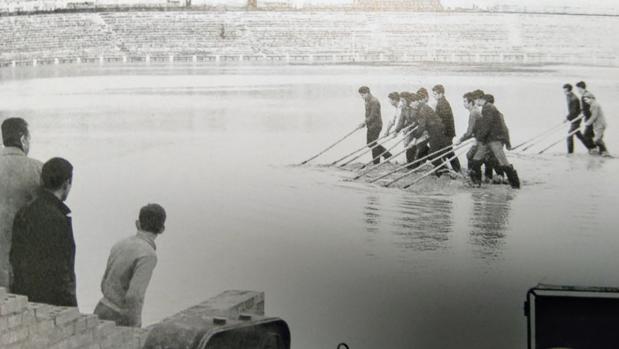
598	122
129	270
19	180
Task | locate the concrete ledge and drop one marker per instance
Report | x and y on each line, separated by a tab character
31	325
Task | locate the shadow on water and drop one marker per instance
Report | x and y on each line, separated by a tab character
489	222
423	223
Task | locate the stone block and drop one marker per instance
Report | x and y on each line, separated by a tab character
92	321
4	324
81	340
43	311
14	320
104	329
44	326
231	303
80	324
9	305
66	316
21	303
28	317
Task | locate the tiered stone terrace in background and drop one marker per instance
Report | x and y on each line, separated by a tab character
360	36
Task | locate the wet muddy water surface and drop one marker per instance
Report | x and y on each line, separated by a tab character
440	265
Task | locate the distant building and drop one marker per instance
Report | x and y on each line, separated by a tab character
415	5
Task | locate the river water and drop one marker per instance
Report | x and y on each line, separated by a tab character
440	265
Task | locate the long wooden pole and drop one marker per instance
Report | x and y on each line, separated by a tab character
390	149
559	141
536	142
355	152
332	145
372	168
432	171
541	134
419	160
366	151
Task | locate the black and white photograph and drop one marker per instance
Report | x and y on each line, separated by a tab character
309	174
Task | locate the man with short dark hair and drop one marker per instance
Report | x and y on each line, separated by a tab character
374	123
424	95
129	270
443	110
573	107
43	250
588	135
492	135
431	128
474	115
19	180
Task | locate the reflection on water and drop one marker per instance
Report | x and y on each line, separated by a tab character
371	212
423	223
489	221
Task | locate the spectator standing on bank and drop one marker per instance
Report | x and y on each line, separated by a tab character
43	250
19	180
129	270
373	122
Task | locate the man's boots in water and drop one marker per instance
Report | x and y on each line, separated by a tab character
475	172
512	176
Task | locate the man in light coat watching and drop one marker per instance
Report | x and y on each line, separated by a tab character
20	177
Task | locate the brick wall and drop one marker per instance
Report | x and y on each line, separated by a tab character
28	325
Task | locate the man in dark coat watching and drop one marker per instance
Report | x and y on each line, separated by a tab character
43	249
573	106
443	110
374	123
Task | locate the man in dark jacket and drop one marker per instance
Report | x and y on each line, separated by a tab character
374	123
491	134
43	249
444	112
410	120
573	106
430	127
585	108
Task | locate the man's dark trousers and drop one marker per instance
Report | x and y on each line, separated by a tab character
372	136
415	152
455	163
586	141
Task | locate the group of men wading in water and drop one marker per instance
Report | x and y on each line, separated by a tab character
430	131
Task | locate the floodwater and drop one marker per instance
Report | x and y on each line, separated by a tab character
440	265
